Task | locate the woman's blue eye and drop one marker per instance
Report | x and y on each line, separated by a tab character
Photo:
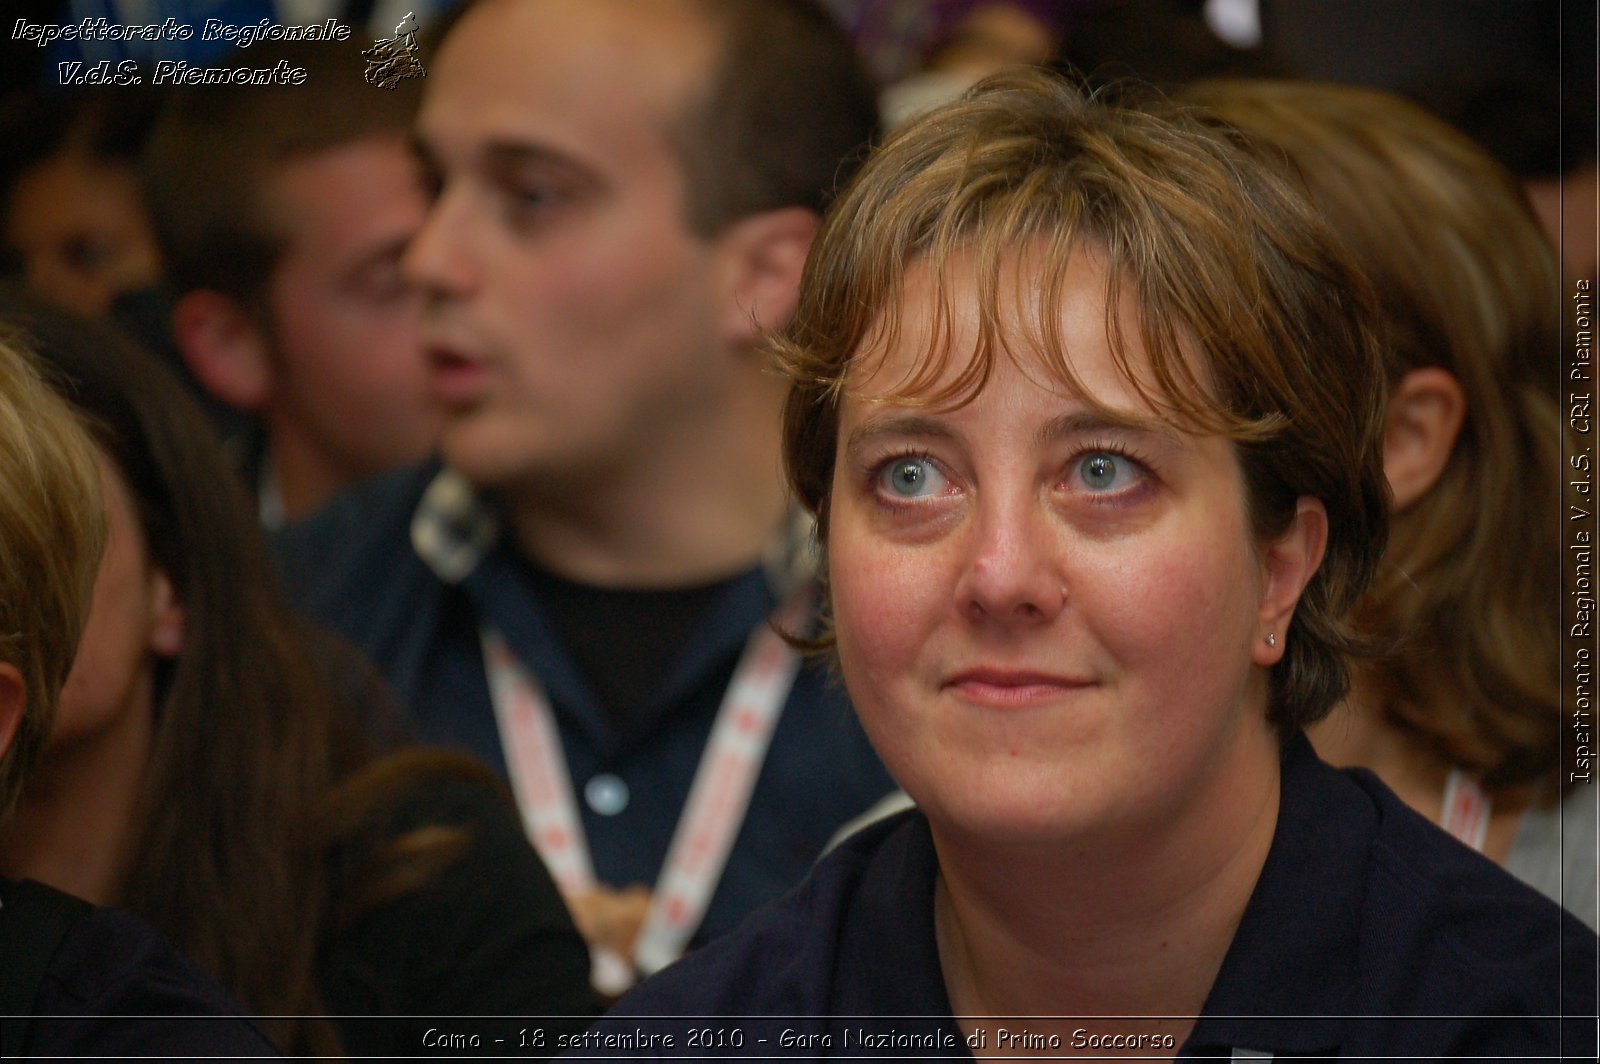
911	478
1101	471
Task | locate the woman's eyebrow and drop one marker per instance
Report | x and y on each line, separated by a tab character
896	426
1065	426
1090	422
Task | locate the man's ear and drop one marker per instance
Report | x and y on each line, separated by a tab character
224	348
13	700
1426	411
761	260
1288	564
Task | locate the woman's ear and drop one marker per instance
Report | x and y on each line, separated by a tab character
13	701
166	617
1288	564
1427	408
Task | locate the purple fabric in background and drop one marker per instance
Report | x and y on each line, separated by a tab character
894	35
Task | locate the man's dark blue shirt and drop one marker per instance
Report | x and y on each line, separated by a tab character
354	568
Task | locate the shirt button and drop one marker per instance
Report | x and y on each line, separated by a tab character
606	794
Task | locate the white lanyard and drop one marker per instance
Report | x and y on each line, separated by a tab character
718	798
1466	809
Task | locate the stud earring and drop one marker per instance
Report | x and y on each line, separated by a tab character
1272	639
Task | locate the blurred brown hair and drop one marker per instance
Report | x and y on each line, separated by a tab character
209	161
1470	586
786	116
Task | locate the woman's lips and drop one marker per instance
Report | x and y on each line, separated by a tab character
1012	687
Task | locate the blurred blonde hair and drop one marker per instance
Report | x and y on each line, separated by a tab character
52	531
1469	589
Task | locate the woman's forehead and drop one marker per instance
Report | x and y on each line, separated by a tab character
948	326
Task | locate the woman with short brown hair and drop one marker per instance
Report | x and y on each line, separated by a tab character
1088	403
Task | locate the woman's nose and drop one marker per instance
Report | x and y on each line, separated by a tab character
1012	574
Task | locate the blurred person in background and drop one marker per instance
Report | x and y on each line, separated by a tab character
974	41
282	213
226	773
75	981
623	194
1464	718
72	221
1519	79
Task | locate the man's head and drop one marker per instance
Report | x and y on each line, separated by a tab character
625	193
52	530
283	213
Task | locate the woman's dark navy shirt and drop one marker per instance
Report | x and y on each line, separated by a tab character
1370	933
